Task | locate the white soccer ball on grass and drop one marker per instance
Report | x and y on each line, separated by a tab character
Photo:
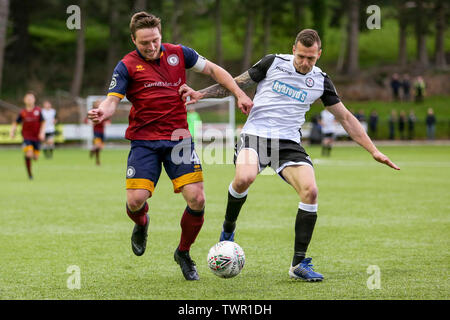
226	259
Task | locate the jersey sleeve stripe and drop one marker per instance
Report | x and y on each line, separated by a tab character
121	96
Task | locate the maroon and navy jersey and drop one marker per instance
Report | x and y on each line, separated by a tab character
31	123
152	88
99	127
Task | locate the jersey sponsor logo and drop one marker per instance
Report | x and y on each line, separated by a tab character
140	67
173	60
283	70
113	83
290	91
309	82
162	84
131	172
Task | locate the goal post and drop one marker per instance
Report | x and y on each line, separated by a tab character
218	120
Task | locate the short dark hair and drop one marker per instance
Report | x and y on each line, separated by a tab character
30	92
308	37
142	20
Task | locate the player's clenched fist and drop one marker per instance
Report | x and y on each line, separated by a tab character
245	104
189	95
96	115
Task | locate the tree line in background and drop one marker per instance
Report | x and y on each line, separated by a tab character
38	52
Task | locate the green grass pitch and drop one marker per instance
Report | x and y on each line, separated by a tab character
73	213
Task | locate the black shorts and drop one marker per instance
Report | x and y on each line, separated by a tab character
328	135
49	135
278	154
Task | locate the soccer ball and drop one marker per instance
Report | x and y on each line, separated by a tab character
226	259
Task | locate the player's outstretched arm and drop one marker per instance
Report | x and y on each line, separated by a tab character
226	86
218	91
222	77
105	110
358	134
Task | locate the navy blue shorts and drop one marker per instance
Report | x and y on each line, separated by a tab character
99	137
30	144
146	158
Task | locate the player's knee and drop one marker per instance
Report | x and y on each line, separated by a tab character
309	194
197	202
136	200
135	204
242	183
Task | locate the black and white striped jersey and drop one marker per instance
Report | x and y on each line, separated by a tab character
283	97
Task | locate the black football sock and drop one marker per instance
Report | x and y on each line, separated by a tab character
304	227
234	205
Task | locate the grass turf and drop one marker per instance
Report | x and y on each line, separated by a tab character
73	213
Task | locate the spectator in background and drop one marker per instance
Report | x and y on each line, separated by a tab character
406	86
402	124
419	89
431	124
373	124
392	121
361	116
411	124
395	86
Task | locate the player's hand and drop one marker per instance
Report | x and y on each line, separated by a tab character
245	104
42	136
96	115
380	157
189	95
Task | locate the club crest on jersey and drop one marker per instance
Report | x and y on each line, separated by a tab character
139	67
290	91
113	83
36	113
309	82
173	60
131	172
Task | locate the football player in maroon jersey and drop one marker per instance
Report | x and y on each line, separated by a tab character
33	130
150	77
